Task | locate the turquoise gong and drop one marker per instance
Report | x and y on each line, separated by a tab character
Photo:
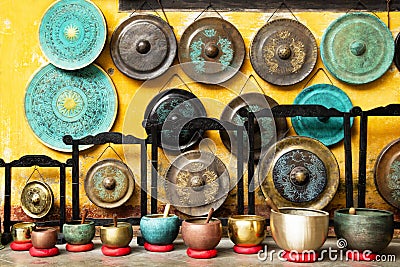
328	130
72	33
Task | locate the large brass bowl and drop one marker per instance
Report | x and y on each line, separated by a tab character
44	237
246	230
299	229
116	237
369	229
21	232
200	235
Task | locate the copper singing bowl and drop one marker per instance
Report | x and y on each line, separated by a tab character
116	237
77	233
299	228
200	235
44	237
21	232
246	230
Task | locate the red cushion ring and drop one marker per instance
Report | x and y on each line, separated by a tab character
43	252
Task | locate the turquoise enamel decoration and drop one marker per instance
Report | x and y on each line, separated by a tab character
327	130
357	48
76	103
72	34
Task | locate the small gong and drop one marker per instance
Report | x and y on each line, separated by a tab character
109	183
36	199
299	172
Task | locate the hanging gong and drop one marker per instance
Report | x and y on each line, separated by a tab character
212	49
109	183
143	47
299	171
72	33
36	199
197	181
357	48
387	173
77	103
327	130
172	109
397	52
283	52
267	130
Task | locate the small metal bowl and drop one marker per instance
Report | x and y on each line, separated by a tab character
21	232
44	237
159	230
200	235
116	237
76	233
368	229
246	230
299	229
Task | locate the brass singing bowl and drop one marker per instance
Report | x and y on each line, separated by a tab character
299	229
44	237
200	235
246	230
21	232
77	233
116	237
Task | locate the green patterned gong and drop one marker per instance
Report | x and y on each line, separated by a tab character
76	103
72	33
357	48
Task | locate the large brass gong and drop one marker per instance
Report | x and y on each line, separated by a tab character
299	172
387	173
109	183
36	199
211	50
283	52
197	181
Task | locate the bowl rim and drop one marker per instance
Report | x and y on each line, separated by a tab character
211	222
23	225
246	217
318	213
78	222
111	225
379	212
159	216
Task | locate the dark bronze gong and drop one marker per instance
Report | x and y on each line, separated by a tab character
36	199
211	50
387	173
300	172
143	47
109	183
197	181
283	52
267	129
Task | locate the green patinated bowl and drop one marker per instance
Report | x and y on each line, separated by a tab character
369	229
76	233
159	230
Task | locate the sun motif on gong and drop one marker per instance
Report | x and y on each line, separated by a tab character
71	32
70	103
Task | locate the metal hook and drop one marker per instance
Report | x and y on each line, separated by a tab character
254	78
109	146
283	4
36	169
315	73
170	79
206	9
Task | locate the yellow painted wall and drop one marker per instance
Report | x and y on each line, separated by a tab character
21	57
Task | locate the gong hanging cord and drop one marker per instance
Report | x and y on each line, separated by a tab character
360	3
283	4
153	9
247	80
35	169
170	79
206	9
315	74
109	146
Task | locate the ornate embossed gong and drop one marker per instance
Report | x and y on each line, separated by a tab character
387	173
357	48
109	183
36	199
267	129
72	33
197	181
143	47
327	130
300	172
172	109
79	103
283	52
211	50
